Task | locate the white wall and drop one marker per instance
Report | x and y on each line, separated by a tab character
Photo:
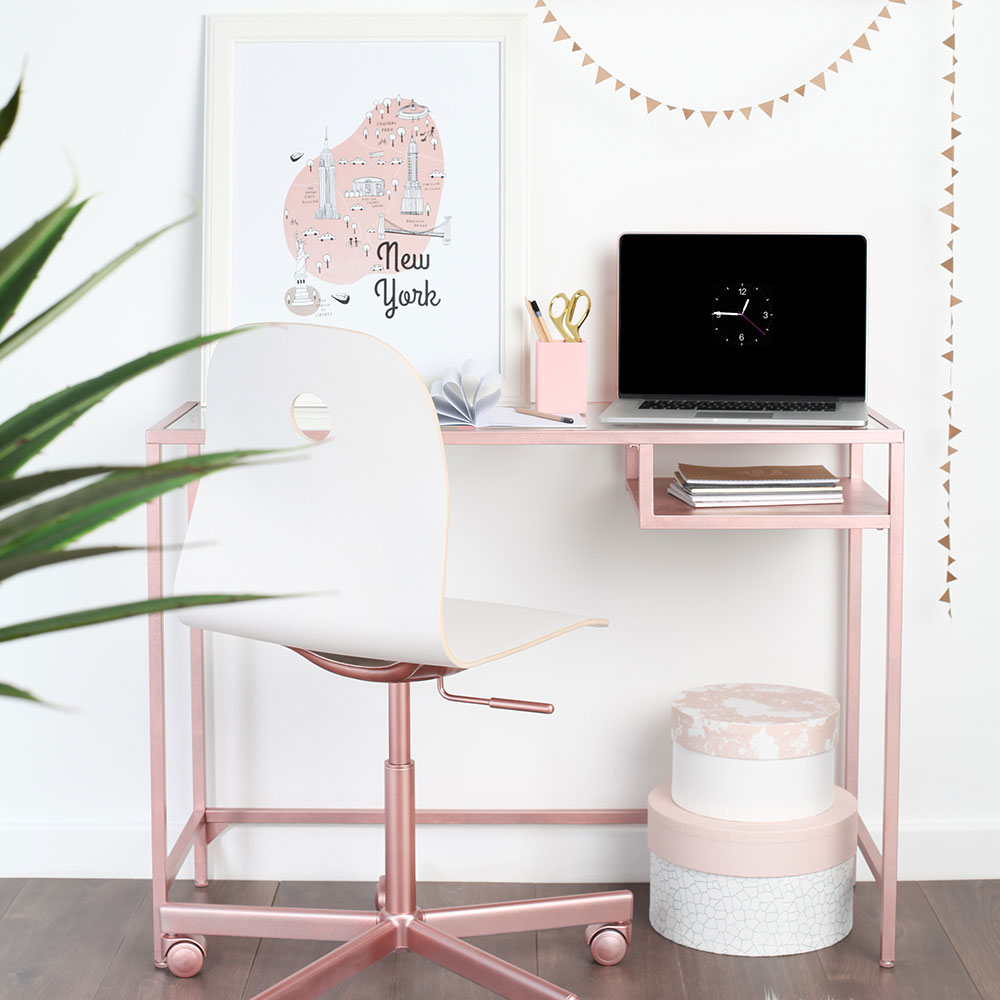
119	87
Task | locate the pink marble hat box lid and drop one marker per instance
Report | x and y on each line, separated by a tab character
755	721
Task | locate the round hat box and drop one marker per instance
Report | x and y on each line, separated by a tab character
754	752
751	888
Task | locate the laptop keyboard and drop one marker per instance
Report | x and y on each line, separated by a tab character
737	404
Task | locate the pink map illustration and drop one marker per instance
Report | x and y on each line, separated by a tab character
382	184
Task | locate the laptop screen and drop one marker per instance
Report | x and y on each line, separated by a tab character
749	316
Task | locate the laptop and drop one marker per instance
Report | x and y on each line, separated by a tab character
725	328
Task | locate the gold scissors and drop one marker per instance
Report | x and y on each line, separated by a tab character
567	321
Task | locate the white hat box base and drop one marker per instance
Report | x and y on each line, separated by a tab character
733	915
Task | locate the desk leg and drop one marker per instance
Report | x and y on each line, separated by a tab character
198	783
893	669
157	746
852	684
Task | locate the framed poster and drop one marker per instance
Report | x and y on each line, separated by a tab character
369	172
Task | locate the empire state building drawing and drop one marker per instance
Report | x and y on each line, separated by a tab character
327	181
413	197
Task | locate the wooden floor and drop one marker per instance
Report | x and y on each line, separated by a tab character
68	939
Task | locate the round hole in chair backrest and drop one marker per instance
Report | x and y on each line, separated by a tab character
311	416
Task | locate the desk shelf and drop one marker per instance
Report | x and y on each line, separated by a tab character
863	507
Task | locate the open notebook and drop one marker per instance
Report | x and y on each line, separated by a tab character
465	398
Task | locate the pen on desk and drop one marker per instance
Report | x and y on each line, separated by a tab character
547	416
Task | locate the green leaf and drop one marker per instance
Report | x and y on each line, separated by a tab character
94	616
24	257
9	691
55	523
14	490
9	113
12	565
27	432
26	332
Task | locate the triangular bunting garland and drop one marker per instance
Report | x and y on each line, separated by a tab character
819	80
688	112
950	42
949	264
953	430
949	356
948	209
946	597
946	541
950	578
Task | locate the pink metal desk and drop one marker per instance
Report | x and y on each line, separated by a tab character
863	508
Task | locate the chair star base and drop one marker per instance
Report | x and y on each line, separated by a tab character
397	923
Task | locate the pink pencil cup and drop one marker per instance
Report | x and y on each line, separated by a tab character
561	377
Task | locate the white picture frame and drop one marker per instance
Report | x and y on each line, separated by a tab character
245	96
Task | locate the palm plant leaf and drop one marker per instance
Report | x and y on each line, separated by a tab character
24	257
9	113
9	691
12	565
26	332
55	523
114	612
24	487
27	432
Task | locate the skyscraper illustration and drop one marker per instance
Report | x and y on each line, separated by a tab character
413	197
326	177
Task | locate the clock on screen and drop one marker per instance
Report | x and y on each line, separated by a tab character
742	315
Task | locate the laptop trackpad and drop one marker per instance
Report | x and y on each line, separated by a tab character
738	414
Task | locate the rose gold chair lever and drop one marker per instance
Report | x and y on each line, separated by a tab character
508	704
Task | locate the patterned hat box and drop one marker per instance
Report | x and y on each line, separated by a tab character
751	888
754	752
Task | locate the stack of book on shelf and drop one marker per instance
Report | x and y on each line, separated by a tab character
754	485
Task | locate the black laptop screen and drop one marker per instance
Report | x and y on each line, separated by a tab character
747	316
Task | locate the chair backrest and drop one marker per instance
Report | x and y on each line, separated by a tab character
360	519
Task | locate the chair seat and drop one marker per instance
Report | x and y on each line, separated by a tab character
475	631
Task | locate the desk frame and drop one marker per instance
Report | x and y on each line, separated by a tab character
863	508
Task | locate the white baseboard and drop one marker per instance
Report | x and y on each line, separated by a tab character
446	853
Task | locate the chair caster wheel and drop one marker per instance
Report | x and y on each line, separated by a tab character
380	894
608	944
185	957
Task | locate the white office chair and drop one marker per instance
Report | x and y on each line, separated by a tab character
359	524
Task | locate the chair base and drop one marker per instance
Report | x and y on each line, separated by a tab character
437	935
397	923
